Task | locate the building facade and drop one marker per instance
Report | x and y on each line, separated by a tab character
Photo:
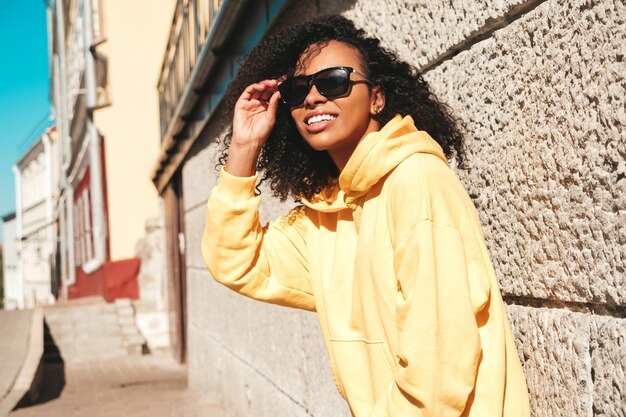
36	177
12	285
539	87
103	67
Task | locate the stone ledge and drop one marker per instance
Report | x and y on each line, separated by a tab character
28	383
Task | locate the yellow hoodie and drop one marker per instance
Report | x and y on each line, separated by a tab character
394	262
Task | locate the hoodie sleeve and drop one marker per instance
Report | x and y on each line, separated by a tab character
265	263
439	344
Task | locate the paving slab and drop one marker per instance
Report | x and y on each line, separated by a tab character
130	386
94	376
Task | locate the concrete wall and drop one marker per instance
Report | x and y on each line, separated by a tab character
540	87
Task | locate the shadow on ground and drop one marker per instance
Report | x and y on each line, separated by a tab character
52	373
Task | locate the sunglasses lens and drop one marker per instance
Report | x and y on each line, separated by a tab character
332	83
294	90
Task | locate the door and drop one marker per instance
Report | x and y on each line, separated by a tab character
175	244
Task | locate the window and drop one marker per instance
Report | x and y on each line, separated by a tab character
78	253
87	225
83	243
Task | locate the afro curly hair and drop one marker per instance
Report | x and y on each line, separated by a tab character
290	166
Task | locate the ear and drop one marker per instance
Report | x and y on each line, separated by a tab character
377	102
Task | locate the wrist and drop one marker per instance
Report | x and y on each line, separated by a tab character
246	146
242	159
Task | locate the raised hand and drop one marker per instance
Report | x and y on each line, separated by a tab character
254	118
255	113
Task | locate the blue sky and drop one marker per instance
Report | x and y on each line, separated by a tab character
24	87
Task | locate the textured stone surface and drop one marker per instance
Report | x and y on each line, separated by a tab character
543	102
608	361
419	31
554	349
251	340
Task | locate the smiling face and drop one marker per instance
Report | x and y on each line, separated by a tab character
337	124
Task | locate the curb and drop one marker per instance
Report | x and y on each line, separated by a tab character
29	380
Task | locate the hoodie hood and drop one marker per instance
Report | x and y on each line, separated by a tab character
374	157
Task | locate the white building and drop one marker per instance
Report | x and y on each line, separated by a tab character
13	290
35	230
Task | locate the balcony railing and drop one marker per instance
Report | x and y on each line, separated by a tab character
75	57
76	48
192	23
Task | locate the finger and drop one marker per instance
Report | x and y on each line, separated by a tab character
252	91
262	90
267	93
273	106
269	83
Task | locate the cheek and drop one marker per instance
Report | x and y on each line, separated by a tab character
357	115
297	115
297	120
294	114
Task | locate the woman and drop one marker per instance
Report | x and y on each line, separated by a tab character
387	246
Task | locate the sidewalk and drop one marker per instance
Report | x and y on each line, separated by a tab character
130	386
83	371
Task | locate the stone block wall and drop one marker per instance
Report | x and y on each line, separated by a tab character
540	87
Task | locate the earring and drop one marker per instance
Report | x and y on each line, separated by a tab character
377	109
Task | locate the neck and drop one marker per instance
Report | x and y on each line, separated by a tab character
341	156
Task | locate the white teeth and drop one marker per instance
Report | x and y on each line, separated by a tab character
320	118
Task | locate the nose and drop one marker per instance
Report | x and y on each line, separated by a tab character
314	97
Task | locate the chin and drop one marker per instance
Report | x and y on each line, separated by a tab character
319	144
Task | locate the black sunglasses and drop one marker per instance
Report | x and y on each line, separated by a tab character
330	82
